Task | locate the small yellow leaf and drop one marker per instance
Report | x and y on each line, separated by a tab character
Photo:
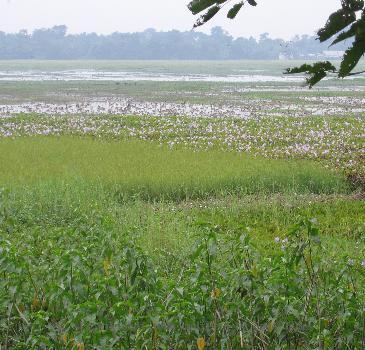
35	303
21	307
216	292
255	271
201	343
64	338
80	346
308	259
72	340
270	326
106	265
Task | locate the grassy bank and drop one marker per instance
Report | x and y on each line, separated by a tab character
148	171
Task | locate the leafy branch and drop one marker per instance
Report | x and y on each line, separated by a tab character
212	7
347	23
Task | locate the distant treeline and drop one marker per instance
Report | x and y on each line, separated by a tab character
55	43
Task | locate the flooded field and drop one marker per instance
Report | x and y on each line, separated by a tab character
242	106
157	71
94	75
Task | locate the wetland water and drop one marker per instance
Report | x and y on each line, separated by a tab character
199	104
241	89
158	71
94	75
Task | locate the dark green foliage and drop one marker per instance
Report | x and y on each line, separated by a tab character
91	287
207	16
213	6
252	2
232	13
197	6
353	5
337	22
352	31
315	72
352	57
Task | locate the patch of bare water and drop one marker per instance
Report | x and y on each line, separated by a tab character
94	75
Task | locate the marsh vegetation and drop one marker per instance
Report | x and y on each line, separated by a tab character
181	215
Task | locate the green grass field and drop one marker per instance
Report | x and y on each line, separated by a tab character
150	171
71	173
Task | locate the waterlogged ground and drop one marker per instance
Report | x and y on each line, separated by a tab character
191	104
338	141
247	106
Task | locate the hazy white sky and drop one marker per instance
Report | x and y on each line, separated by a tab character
280	18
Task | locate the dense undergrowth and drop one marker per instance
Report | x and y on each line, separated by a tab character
92	287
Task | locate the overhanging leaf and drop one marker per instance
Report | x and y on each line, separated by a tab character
232	13
348	33
197	6
338	21
353	5
315	72
352	57
315	78
252	2
207	16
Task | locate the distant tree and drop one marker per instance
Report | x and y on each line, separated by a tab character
55	43
346	23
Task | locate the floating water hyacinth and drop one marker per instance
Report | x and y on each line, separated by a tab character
339	141
244	108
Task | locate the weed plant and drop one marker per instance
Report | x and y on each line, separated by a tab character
92	287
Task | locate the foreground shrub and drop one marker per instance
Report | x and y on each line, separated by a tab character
93	288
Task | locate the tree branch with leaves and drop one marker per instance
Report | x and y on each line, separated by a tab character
344	24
